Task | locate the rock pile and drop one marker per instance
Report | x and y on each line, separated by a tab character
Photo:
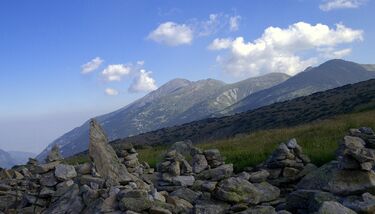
286	166
190	180
348	183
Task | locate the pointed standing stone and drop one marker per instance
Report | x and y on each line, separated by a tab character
104	157
54	154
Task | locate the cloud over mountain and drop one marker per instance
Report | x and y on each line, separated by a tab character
172	34
280	49
143	82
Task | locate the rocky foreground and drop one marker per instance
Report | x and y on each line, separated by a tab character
189	180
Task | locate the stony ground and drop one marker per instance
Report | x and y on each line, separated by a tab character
189	180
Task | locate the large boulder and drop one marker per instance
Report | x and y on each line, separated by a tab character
332	207
341	182
105	160
69	202
238	190
218	173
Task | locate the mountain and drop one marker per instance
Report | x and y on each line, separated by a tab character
6	161
331	74
21	157
178	101
10	158
321	105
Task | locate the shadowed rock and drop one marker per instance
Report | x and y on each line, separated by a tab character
104	157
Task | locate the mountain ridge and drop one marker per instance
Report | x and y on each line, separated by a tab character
171	104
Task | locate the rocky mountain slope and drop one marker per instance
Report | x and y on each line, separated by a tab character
178	101
191	180
331	74
300	110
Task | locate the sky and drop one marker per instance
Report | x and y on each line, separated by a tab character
63	62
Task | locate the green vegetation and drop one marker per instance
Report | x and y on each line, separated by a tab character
318	139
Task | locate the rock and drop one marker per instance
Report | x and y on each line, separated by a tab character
69	202
7	201
210	208
186	194
88	180
341	182
333	207
309	200
65	172
182	147
207	186
43	168
259	176
84	169
48	179
213	157
217	174
158	210
180	203
104	157
237	190
364	204
183	180
290	172
259	210
268	192
54	154
199	163
135	200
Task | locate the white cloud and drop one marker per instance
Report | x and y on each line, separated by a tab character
143	82
280	50
340	4
234	24
172	34
116	72
91	66
111	91
219	44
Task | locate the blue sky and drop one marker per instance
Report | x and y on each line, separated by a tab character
139	45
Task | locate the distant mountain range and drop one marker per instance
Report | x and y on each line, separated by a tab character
11	158
321	105
182	101
331	74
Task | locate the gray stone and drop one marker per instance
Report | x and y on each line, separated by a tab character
259	176
210	208
48	179
186	194
183	180
199	163
309	200
69	202
237	190
54	154
332	207
104	157
217	174
65	172
259	210
268	192
364	204
341	182
159	210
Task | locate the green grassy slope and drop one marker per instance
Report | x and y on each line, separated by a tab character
318	139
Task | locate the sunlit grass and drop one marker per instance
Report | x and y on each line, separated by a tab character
318	139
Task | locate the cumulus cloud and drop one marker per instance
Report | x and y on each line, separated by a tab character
111	91
172	34
234	24
91	66
280	50
116	72
143	82
219	44
328	5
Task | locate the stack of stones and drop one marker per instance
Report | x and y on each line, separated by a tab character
357	150
129	157
345	185
174	172
286	166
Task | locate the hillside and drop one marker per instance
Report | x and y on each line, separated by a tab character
6	161
174	103
331	74
321	105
